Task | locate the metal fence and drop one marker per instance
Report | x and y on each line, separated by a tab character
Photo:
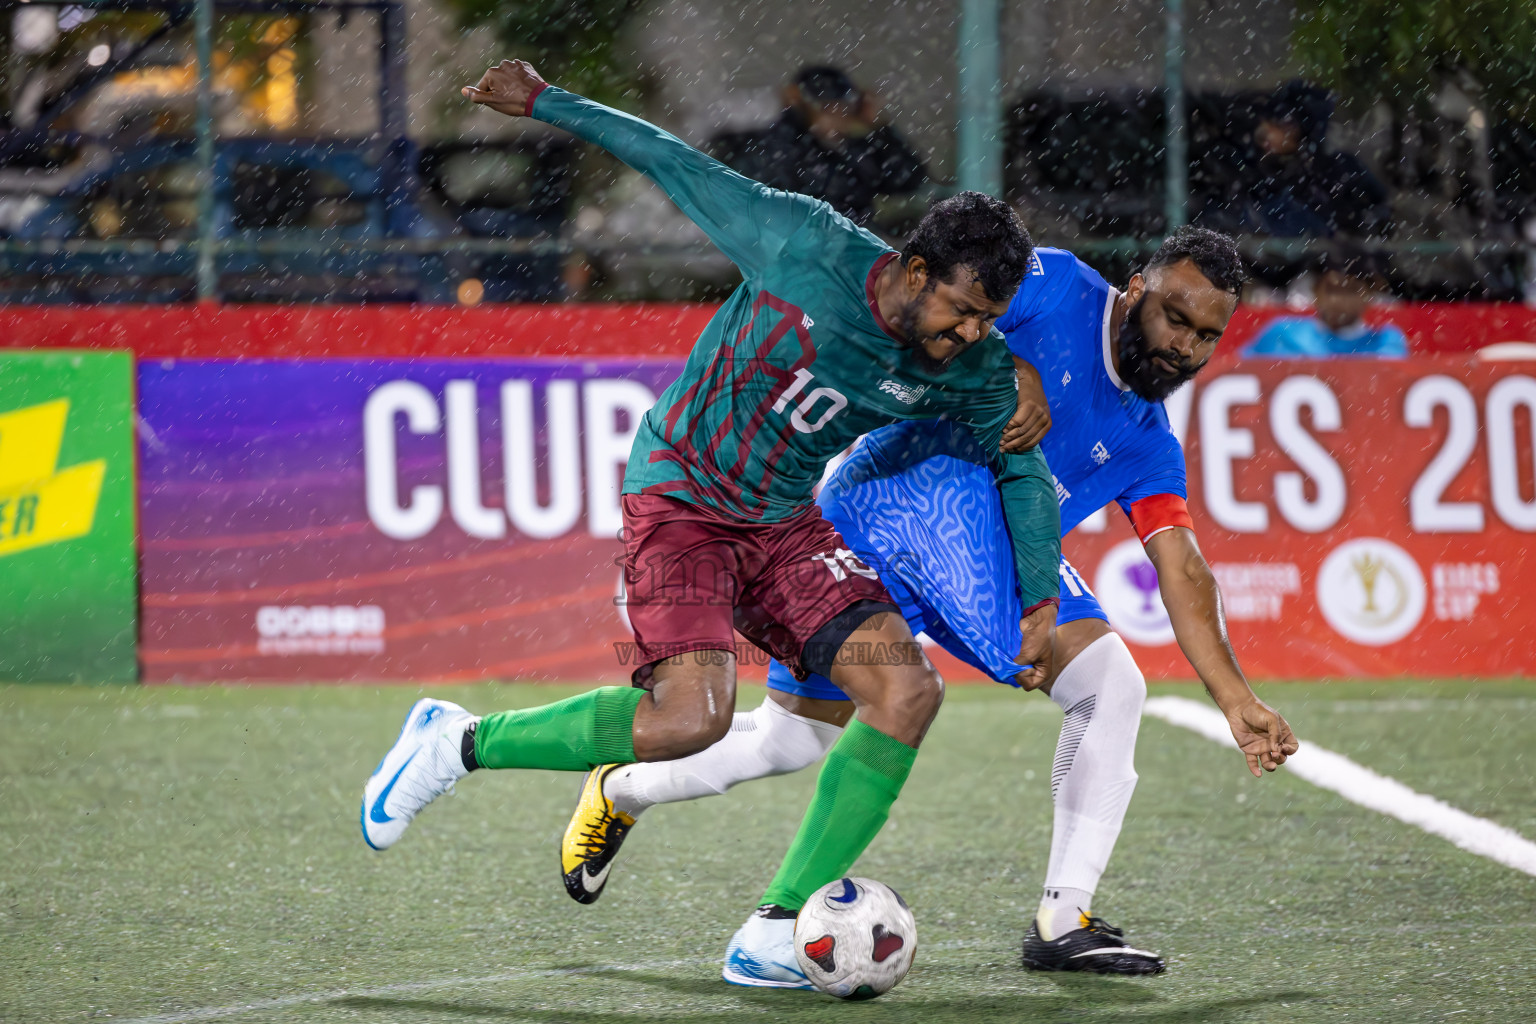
532	252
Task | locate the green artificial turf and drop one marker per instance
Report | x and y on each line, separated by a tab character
194	854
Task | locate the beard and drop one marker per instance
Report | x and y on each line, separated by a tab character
1138	371
908	326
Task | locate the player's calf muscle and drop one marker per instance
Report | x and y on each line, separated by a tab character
901	698
689	708
900	702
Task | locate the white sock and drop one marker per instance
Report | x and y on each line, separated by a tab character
1102	692
766	741
1062	911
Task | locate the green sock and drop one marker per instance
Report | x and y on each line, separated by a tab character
862	776
572	735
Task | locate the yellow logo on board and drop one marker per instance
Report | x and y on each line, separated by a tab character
40	503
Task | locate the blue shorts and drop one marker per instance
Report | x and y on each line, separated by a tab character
1077	602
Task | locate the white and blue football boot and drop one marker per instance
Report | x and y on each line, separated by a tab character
424	763
762	952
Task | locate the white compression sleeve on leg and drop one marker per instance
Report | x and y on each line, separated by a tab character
1102	692
765	741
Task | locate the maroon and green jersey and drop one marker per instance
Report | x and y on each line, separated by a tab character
798	362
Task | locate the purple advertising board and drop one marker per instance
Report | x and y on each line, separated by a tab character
386	518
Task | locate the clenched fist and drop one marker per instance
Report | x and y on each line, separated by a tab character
507	88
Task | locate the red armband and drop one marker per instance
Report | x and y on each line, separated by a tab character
1027	612
1151	516
528	110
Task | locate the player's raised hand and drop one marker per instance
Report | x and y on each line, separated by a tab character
1032	419
1265	738
506	87
1037	647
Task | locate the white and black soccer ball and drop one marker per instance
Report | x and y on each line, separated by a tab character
855	938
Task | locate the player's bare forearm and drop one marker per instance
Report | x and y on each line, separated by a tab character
1193	599
1189	592
1032	419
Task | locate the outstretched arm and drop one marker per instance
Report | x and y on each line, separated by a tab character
1189	591
747	220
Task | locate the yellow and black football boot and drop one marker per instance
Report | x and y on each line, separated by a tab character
592	838
1097	947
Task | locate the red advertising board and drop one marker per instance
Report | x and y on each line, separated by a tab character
1363	519
646	330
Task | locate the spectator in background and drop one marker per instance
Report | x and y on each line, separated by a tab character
1347	283
830	143
1289	184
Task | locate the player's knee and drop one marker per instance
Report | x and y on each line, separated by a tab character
717	723
705	722
918	694
1124	682
693	711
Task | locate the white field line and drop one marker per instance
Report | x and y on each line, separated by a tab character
284	1002
1360	785
1422	704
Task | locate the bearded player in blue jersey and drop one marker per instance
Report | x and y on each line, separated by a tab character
915	502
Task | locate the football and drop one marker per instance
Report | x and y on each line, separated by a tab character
855	938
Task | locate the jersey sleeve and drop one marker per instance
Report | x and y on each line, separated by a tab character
1157	501
1028	496
748	221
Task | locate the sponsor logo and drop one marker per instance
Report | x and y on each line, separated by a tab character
1459	586
39	502
319	629
1100	453
1126	586
378	814
1256	591
1062	494
592	881
904	394
1371	591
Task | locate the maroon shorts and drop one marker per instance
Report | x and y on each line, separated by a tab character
693	575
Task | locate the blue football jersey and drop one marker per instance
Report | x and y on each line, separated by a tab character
1106	443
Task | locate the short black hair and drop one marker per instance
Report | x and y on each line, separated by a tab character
972	229
1354	262
827	84
1214	253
